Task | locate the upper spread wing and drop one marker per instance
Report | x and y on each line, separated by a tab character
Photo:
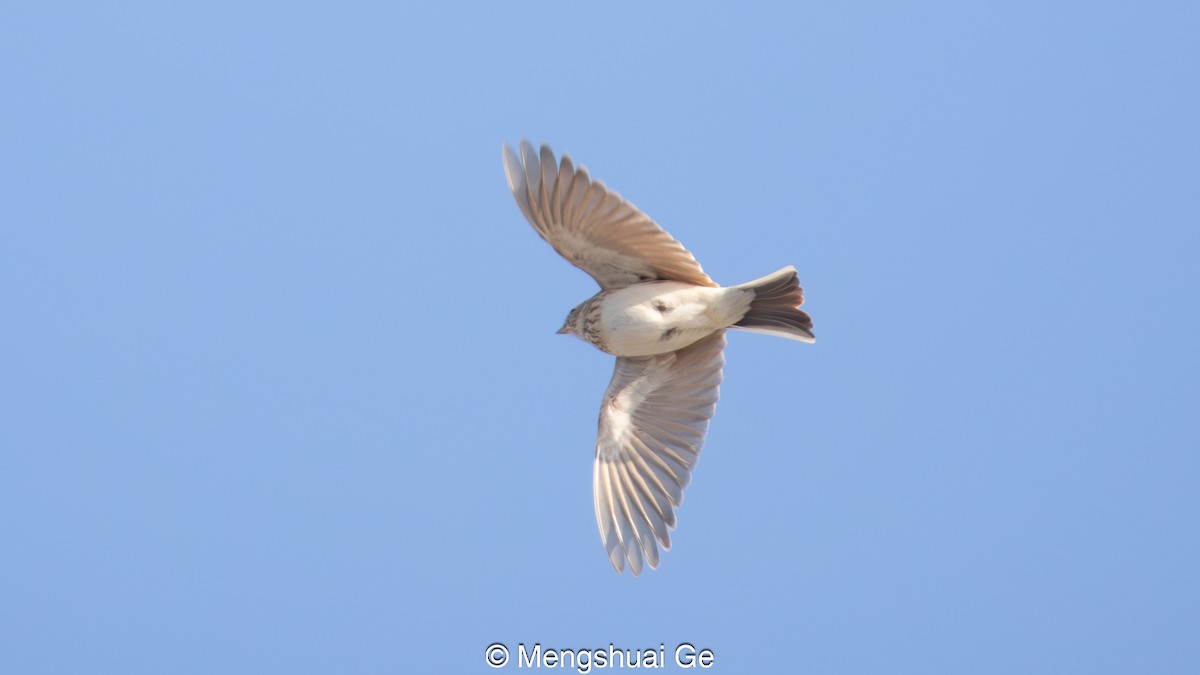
592	226
652	425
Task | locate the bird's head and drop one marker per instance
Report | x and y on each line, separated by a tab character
571	324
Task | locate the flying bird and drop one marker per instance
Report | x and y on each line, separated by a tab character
665	320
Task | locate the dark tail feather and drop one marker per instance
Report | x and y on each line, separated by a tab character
775	309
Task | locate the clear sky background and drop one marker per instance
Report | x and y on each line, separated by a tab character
280	390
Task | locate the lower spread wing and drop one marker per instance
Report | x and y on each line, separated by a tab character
592	226
652	425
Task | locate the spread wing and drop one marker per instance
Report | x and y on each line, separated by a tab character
652	425
592	226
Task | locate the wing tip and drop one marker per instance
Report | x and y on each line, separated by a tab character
512	169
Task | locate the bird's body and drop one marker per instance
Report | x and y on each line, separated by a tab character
658	317
665	321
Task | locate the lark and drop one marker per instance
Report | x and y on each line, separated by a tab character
665	321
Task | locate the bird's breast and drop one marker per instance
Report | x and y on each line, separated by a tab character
657	317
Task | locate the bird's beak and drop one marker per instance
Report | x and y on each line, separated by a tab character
564	330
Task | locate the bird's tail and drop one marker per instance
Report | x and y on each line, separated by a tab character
775	309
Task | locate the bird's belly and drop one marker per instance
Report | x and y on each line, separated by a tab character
658	317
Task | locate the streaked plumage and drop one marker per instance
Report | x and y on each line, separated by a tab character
664	319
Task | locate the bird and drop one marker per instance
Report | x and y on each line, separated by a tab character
664	320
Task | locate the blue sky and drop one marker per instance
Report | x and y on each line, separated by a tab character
281	391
